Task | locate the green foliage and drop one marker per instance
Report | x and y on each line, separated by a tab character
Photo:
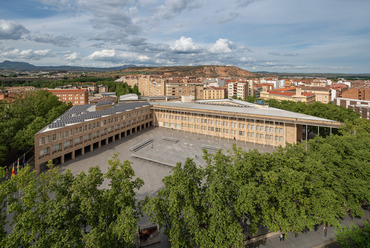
354	236
319	109
22	119
62	210
290	190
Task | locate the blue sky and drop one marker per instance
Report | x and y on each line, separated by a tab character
256	35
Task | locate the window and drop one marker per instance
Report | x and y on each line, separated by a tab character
281	130
57	147
68	143
46	139
45	151
54	136
41	141
241	133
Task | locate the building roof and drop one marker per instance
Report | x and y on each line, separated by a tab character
250	109
67	90
274	92
80	113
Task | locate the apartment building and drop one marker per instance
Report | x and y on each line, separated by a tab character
361	107
87	127
359	93
323	94
288	94
239	89
213	93
75	96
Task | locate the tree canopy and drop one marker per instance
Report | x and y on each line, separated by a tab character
290	190
20	120
62	210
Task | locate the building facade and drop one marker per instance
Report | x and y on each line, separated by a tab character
358	93
75	96
290	94
88	127
361	107
237	120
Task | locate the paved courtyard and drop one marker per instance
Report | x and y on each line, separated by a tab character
154	161
163	149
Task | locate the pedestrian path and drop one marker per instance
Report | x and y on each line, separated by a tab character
319	238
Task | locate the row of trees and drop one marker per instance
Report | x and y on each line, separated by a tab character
293	189
329	111
21	119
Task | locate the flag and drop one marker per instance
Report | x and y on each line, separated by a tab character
18	168
24	160
13	172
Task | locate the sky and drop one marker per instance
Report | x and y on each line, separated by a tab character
328	36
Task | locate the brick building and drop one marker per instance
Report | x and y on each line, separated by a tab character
359	93
75	96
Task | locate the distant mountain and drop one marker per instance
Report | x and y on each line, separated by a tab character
195	71
23	66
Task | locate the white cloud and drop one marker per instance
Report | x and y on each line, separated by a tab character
72	56
27	54
103	55
118	56
222	46
185	45
10	30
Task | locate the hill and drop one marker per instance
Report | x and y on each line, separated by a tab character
23	66
195	71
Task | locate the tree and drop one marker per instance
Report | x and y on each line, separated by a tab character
354	236
22	119
62	210
290	190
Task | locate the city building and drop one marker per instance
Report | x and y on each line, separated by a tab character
288	94
239	89
359	93
361	107
323	94
213	93
75	96
88	127
238	120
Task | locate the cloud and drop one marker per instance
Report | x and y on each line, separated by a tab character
58	40
103	55
112	55
72	56
222	46
59	5
185	45
27	54
244	3
288	54
10	30
172	8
